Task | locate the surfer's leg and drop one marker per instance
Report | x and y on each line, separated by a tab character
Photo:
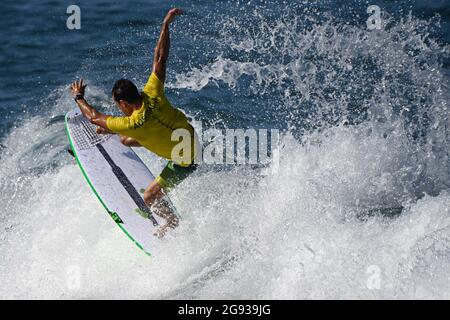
153	194
153	197
171	176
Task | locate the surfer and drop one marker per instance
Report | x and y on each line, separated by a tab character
150	121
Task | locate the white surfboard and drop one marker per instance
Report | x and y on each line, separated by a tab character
118	178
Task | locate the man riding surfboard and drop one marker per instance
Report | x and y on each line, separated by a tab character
150	121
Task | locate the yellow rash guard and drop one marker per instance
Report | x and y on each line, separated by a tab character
153	124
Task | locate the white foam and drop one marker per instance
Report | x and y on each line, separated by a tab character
291	235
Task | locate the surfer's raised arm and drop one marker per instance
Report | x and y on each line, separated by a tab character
163	45
89	112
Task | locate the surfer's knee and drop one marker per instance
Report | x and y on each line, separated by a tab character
152	193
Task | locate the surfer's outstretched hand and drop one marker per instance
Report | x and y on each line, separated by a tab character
78	87
172	14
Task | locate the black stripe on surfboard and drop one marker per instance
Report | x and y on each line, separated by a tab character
126	183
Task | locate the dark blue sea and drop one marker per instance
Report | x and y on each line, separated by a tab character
359	207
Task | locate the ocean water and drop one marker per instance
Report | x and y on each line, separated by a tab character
364	117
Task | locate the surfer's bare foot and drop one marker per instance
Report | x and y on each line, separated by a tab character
172	220
161	231
163	210
172	223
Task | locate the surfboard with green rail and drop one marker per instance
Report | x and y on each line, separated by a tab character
118	177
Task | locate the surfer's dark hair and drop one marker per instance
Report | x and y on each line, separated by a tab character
125	90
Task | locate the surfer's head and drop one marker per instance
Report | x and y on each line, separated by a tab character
126	95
